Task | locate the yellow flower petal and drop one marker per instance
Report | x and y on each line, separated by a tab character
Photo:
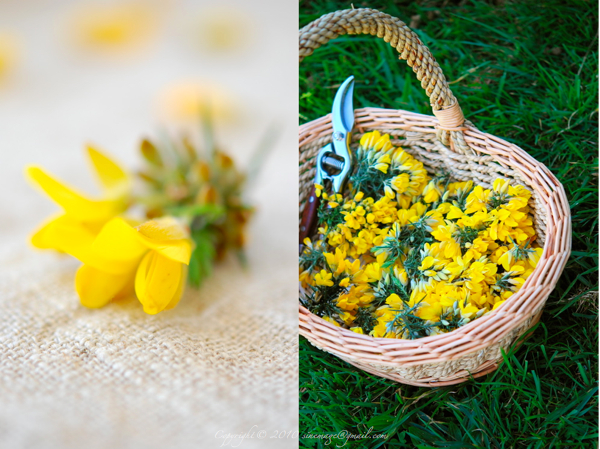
394	301
331	320
318	190
73	203
454	212
96	288
158	282
110	174
430	312
324	278
167	237
42	237
498	304
65	234
180	288
118	248
501	185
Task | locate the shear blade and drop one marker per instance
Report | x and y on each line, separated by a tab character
343	109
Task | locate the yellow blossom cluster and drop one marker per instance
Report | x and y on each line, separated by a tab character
121	256
194	215
401	254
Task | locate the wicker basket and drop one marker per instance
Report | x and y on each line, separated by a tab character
444	141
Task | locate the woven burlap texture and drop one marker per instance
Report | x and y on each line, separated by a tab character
115	375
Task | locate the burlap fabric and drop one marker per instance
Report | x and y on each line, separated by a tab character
226	358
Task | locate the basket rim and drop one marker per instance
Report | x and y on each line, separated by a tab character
546	261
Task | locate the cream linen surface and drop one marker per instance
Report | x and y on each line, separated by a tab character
225	360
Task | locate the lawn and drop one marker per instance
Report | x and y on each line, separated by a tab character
527	72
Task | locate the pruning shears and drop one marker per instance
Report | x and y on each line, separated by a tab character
334	161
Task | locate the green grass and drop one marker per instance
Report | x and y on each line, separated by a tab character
527	72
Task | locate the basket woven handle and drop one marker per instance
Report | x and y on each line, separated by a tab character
370	21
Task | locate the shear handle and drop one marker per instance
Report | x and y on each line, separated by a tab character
309	215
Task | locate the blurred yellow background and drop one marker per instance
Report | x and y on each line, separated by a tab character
110	73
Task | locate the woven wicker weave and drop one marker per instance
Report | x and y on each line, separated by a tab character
445	141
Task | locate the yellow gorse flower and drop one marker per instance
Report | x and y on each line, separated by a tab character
323	278
403	255
80	215
154	259
149	259
119	257
125	26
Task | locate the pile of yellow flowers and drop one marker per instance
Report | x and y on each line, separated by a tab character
405	255
193	214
